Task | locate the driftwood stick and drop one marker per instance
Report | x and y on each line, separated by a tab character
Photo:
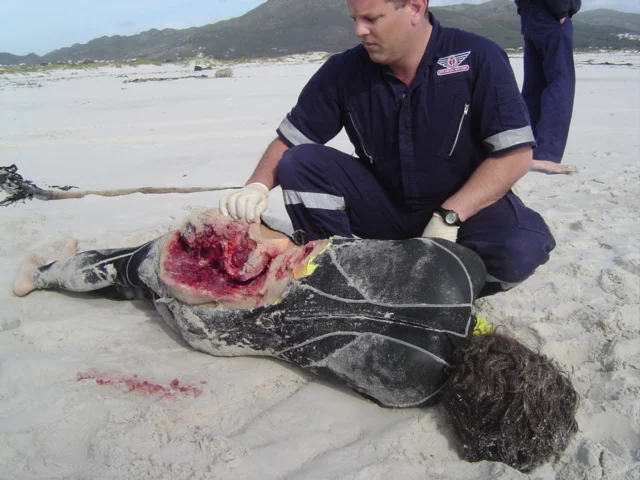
19	189
61	195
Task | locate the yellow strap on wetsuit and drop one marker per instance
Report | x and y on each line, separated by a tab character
482	326
309	266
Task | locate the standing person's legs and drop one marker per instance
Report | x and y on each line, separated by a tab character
553	41
511	239
534	81
327	192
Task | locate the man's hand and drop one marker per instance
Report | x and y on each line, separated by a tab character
438	228
562	20
246	204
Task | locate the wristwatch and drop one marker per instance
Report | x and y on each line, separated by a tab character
450	217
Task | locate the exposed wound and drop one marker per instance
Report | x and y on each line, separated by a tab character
216	261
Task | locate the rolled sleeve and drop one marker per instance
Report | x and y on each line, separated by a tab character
504	121
316	117
509	140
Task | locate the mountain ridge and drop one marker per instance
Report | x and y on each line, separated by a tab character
283	27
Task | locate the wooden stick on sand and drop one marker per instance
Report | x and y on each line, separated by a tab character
19	189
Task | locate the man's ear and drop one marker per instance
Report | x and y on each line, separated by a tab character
418	10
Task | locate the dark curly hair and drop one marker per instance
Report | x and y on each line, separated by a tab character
508	403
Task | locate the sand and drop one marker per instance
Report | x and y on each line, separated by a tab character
73	402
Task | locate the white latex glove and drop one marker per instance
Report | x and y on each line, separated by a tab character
247	203
438	228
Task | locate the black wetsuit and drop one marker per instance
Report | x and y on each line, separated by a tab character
382	316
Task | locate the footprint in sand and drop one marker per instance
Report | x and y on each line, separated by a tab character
9	319
623	285
630	263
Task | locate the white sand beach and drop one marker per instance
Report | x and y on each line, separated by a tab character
68	363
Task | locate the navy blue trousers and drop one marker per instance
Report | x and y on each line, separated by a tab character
549	79
328	192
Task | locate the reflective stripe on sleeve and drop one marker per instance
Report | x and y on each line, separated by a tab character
314	200
503	140
295	136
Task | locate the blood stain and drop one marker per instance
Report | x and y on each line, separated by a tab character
137	385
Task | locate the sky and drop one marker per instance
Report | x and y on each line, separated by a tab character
40	26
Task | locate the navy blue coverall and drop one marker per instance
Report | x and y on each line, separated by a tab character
549	73
414	147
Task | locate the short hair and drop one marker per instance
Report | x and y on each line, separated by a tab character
508	403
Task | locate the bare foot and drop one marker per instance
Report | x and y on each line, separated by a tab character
23	284
552	168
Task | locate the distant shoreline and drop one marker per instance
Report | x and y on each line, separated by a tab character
204	62
210	63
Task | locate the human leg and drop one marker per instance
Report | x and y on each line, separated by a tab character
83	272
328	192
534	81
24	281
553	42
511	239
533	87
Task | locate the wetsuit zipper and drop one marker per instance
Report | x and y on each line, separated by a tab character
364	147
455	142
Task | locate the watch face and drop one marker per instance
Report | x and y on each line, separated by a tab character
451	218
